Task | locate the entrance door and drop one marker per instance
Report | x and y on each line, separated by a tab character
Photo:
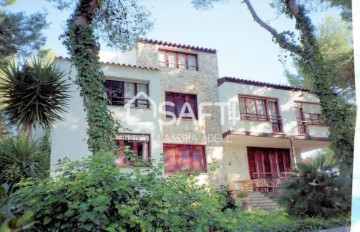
268	162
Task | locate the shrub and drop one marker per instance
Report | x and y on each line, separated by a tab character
7	221
93	195
316	190
21	159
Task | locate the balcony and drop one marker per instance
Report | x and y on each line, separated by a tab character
276	120
304	123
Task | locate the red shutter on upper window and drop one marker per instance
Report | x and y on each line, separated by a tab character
170	98
170	158
179	102
191	99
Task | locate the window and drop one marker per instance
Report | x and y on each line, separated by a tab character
120	92
268	162
183	103
137	143
261	109
179	60
184	158
308	114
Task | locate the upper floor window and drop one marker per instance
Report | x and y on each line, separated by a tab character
260	109
183	105
184	158
120	92
173	59
308	114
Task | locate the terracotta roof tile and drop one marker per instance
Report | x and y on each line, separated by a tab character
117	64
177	45
222	80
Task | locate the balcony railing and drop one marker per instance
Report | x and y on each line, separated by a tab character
303	123
268	184
121	101
275	120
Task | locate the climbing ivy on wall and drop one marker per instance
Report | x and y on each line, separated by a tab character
121	22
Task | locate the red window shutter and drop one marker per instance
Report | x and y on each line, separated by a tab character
259	163
184	157
179	102
267	164
273	162
170	98
281	163
198	158
170	158
191	99
287	160
135	148
251	160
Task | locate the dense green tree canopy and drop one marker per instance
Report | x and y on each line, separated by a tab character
20	33
335	42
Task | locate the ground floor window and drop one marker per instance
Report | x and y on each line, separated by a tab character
137	144
268	162
184	158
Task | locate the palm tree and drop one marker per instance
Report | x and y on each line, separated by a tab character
21	159
33	93
316	189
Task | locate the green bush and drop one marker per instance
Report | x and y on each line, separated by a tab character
8	222
316	190
93	195
21	159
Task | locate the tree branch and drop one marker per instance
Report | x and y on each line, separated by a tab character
280	38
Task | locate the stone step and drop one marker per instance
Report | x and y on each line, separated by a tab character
256	200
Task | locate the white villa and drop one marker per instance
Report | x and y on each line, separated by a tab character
251	130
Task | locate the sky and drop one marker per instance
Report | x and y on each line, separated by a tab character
244	49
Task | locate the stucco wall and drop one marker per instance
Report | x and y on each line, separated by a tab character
228	92
69	136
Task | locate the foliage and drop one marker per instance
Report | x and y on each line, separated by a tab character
344	5
94	195
21	34
20	159
121	22
327	154
4	130
316	190
33	93
335	43
8	222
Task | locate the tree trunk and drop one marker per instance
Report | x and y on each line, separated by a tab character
84	48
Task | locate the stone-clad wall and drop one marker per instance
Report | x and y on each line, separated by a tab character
205	131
